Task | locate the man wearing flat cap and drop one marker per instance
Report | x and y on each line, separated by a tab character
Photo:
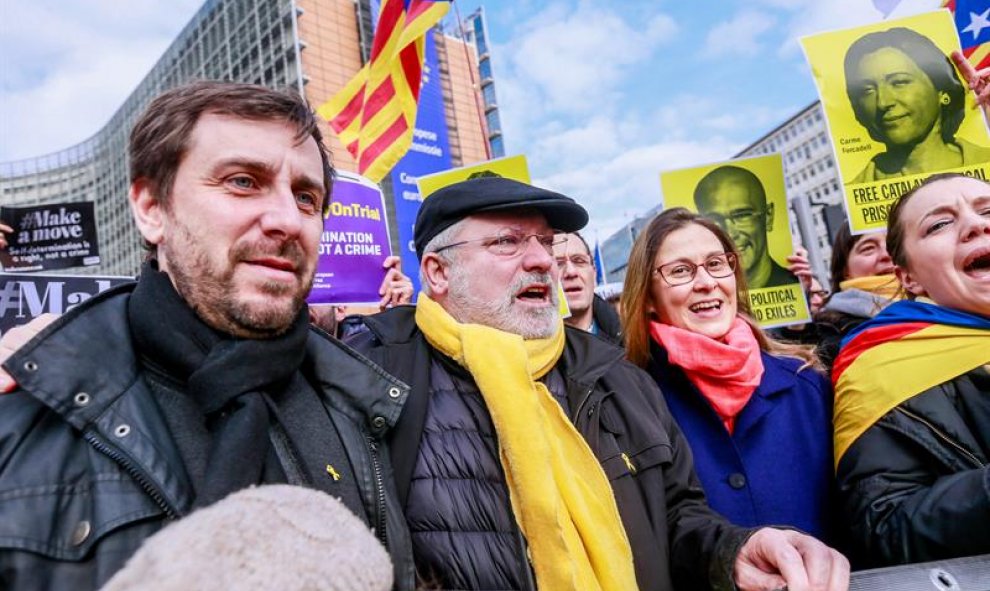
533	456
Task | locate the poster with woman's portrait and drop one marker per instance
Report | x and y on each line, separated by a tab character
746	199
897	110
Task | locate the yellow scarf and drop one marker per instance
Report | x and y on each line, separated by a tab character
560	496
886	286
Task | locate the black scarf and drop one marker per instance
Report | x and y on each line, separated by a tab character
231	379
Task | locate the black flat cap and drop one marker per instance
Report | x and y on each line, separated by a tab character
453	203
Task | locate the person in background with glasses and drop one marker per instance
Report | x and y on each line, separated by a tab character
734	198
577	279
532	455
756	412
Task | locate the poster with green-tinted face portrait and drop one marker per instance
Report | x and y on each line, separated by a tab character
897	109
746	199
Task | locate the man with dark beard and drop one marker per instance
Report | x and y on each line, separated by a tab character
203	377
533	456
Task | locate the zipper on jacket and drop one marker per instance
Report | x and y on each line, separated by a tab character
943	436
584	400
134	473
376	467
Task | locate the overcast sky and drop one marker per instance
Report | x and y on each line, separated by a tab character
600	96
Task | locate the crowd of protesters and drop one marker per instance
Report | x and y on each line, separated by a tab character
482	440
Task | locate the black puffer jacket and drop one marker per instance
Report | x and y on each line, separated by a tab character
617	407
830	328
916	485
88	467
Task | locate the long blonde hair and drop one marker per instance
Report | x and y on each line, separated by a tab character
636	314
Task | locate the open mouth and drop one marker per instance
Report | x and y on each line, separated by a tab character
707	307
536	293
978	263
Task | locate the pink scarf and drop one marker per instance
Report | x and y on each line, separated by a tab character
725	371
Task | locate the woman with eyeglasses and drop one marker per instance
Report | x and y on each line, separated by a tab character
757	413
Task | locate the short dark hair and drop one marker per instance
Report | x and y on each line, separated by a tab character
929	59
160	138
728	173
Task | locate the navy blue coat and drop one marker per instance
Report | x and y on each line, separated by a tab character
776	467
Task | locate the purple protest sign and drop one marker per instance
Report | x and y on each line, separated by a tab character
354	244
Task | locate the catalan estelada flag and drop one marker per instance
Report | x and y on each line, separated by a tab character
973	23
904	350
375	112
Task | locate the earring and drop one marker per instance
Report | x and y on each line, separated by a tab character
945	99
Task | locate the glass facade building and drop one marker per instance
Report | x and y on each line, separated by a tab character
313	46
476	32
248	41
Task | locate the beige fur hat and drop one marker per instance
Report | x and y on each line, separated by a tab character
276	537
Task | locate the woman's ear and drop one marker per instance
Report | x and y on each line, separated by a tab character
908	281
650	309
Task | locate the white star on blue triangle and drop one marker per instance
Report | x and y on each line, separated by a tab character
973	22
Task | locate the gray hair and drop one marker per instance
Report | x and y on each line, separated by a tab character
444	238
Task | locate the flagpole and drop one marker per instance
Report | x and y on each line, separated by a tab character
474	85
601	274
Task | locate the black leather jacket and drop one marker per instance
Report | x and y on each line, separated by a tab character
88	468
916	485
675	536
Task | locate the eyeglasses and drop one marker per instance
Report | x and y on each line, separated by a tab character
740	218
509	243
681	272
822	293
579	261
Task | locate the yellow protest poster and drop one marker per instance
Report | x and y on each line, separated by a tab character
510	167
746	198
897	110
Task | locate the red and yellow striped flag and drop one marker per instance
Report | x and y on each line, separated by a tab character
903	351
375	112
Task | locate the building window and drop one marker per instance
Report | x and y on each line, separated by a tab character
488	91
479	37
494	125
498	148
